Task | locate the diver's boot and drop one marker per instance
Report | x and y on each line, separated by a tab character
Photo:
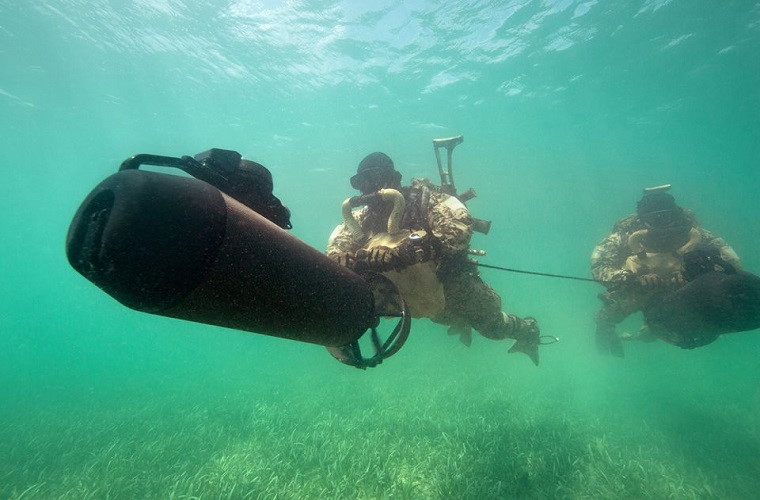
526	334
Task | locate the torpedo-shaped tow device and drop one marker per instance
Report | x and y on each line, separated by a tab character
213	249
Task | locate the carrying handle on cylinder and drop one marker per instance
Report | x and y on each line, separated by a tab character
185	163
251	184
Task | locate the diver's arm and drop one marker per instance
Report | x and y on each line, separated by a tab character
727	253
608	259
341	242
450	223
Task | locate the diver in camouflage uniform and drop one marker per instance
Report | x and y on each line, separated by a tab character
469	301
642	258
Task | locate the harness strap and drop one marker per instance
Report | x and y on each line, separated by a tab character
418	202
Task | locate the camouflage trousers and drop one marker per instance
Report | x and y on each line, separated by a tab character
471	302
618	305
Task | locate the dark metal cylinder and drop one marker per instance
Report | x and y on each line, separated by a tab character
179	247
713	304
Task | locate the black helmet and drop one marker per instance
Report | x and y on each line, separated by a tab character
658	209
667	224
374	172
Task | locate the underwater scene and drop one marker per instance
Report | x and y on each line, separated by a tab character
567	111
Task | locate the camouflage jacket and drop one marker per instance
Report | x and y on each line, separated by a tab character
609	256
443	216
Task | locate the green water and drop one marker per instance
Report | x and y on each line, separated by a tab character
568	110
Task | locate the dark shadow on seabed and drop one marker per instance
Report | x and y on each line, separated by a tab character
711	437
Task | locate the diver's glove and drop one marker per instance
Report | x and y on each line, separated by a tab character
379	259
620	279
417	248
650	281
345	259
677	278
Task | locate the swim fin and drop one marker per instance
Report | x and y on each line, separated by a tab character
527	340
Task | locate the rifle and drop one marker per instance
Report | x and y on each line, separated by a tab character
447	177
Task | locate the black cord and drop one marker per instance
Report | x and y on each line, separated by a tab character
563	276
